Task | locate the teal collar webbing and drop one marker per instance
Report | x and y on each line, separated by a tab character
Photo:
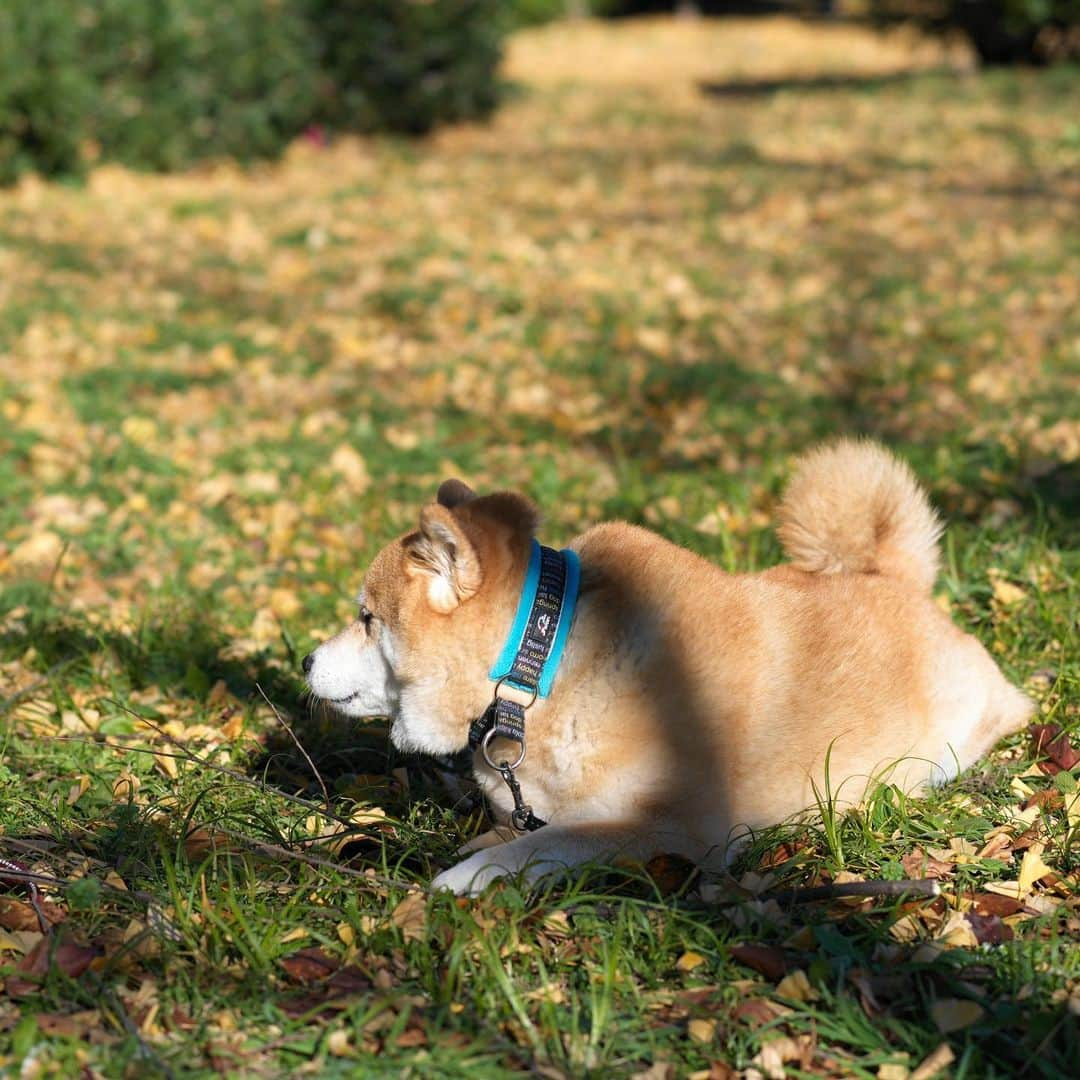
534	647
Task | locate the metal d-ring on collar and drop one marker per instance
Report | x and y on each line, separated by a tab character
494	731
487	756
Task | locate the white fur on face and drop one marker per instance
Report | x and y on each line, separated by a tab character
354	671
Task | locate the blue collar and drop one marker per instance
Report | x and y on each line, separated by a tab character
532	652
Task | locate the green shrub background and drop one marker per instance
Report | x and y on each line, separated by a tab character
408	66
185	79
160	85
46	95
1001	31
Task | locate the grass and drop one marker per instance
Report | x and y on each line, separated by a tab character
630	296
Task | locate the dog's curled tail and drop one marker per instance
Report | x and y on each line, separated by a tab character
852	507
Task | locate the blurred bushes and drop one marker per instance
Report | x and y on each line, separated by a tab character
535	12
1001	31
408	65
161	84
185	79
45	91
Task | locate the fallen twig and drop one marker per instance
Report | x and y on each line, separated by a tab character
184	754
63	883
923	887
13	870
265	847
299	746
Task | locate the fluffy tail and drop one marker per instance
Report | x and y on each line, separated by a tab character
852	507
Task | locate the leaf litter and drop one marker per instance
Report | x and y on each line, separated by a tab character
260	376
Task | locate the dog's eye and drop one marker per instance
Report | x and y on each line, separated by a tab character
366	617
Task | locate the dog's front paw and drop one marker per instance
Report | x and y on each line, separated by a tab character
470	877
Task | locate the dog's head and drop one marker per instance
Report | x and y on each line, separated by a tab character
433	612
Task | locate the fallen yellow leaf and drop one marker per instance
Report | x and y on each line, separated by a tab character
115	880
265	628
953	1014
1006	593
689	960
78	790
957	933
233	728
37	555
796	987
19	941
1004	888
350	466
125	786
339	1043
906	928
550	993
702	1031
167	764
284	603
934	1062
893	1071
1032	868
1072	810
775	1054
410	917
140	430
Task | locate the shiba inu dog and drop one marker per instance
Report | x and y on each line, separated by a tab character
687	705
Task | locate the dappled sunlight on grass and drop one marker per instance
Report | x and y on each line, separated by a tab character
680	254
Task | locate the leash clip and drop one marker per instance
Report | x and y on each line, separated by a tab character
521	817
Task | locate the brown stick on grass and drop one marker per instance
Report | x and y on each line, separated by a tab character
299	746
925	888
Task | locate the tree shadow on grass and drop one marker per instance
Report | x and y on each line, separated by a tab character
753	88
994	1006
310	753
183	657
867	992
182	652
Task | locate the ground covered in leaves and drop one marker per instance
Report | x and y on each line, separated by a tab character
680	254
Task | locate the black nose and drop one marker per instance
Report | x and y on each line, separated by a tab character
308	663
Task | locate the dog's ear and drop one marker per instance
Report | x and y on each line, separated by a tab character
442	553
453	493
512	511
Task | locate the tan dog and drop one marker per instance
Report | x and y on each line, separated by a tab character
690	705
